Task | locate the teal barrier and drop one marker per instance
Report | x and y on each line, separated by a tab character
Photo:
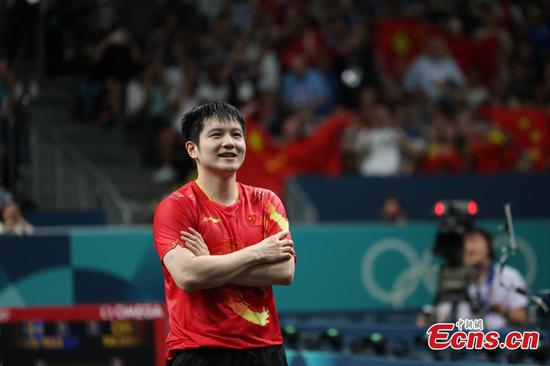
324	358
339	268
359	267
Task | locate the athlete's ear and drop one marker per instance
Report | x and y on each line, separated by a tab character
192	149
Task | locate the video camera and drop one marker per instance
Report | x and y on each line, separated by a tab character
456	218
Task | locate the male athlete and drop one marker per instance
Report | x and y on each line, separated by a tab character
222	245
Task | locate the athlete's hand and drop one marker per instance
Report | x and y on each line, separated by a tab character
194	242
275	249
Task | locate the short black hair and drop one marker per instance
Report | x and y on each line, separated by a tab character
486	236
192	122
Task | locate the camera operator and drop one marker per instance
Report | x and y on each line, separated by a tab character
490	294
490	291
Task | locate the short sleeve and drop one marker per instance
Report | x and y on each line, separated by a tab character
514	279
171	218
276	220
275	215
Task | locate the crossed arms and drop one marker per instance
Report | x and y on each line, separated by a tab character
269	262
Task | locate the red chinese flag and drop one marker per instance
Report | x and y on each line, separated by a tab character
528	128
261	148
320	152
268	165
479	53
400	41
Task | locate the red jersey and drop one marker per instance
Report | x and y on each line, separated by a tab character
228	316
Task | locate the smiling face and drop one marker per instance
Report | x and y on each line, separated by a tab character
221	147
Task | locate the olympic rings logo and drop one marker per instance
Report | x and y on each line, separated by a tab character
419	269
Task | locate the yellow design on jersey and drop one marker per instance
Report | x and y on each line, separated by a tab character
210	218
240	308
277	217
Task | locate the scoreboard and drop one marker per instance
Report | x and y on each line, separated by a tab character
98	335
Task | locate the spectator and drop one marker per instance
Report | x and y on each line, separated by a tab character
378	144
490	150
367	100
542	91
90	84
434	73
304	88
6	197
160	45
13	222
392	211
263	59
115	59
287	65
476	93
519	89
6	80
294	126
442	155
414	142
354	66
156	116
213	83
180	102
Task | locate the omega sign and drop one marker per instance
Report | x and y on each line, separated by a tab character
131	311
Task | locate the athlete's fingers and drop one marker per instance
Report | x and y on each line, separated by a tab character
185	235
281	234
195	235
286	242
190	239
288	250
192	248
198	241
195	232
191	242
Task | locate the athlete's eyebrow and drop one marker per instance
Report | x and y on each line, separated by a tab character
222	129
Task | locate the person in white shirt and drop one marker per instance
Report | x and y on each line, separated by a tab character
492	293
434	72
378	144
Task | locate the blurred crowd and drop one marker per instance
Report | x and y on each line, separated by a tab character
7	119
290	64
14	129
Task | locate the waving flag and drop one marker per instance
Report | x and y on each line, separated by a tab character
528	128
399	41
268	165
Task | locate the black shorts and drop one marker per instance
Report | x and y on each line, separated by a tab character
268	356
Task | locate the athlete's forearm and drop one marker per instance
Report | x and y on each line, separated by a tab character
215	270
280	273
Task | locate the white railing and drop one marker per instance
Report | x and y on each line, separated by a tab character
63	178
299	207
